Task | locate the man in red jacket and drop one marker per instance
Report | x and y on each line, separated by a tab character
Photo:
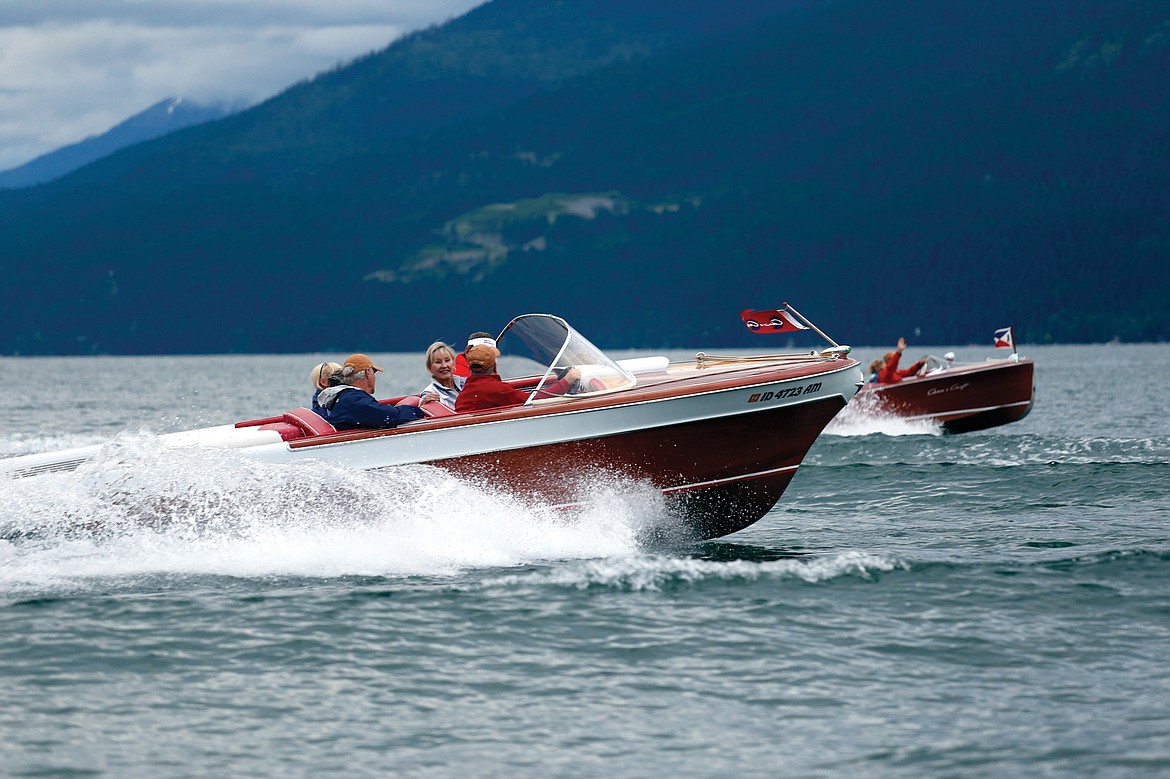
890	372
485	388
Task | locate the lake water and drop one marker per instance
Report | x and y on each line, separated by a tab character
995	604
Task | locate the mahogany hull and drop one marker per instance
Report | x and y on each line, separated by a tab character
961	400
718	475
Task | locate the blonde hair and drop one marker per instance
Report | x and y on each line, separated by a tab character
321	372
436	347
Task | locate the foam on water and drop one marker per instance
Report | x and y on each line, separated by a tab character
865	416
996	448
17	444
652	572
140	508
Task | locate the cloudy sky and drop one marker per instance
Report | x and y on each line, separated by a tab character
74	68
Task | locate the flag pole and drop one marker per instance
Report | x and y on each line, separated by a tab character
815	329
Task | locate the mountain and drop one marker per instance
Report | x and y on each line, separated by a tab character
648	170
165	116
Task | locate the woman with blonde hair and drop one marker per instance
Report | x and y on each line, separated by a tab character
440	362
319	377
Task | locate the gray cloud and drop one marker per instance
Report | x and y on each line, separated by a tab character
74	68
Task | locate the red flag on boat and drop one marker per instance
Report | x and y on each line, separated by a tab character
770	321
1004	339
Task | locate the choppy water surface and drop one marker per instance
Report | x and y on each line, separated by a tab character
992	604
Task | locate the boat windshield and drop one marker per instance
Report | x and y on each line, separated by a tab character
542	347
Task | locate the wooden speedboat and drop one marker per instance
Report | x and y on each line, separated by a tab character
960	397
719	437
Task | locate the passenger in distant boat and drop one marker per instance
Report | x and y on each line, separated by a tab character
474	339
351	403
320	377
441	365
485	388
945	364
875	368
890	373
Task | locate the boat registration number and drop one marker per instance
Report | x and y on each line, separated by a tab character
791	392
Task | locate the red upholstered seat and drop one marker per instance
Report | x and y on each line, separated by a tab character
287	430
309	422
436	409
432	409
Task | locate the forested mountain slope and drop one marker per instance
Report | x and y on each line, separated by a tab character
648	170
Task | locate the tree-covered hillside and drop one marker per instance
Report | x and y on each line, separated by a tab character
893	168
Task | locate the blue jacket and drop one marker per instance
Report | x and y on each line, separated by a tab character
347	408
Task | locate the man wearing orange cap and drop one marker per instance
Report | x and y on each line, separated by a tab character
351	404
485	388
475	339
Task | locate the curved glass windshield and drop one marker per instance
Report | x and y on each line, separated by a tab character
541	347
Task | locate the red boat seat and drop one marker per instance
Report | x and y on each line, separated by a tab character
298	423
432	409
437	409
309	422
288	432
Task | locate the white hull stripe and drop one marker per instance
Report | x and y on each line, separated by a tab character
699	485
966	412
